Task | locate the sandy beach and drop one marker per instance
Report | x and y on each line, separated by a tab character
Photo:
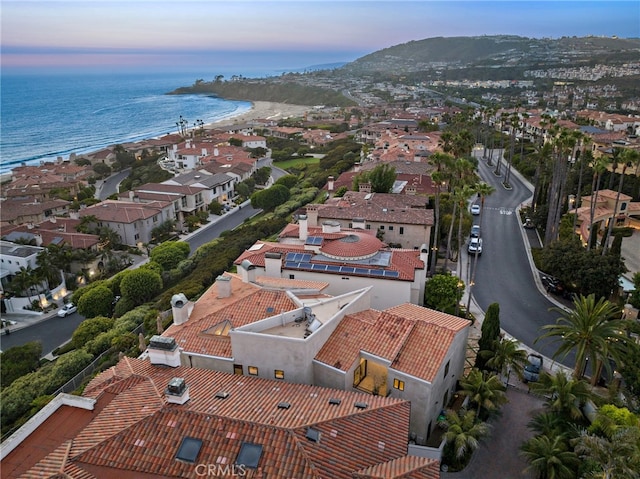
263	110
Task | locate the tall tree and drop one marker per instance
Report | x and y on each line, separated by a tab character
382	178
599	166
506	356
490	332
565	396
591	331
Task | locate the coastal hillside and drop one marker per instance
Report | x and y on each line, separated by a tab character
273	90
495	52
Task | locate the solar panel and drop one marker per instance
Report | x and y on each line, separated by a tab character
361	271
347	269
333	269
319	267
291	264
249	455
290	257
305	265
298	257
392	274
376	272
314	240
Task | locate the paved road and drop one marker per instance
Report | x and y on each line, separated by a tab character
52	332
110	185
504	273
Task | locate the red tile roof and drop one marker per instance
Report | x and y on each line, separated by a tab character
414	339
137	433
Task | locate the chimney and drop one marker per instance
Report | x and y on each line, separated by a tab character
273	264
224	286
131	195
163	351
303	227
312	215
364	187
410	190
358	223
331	227
38	238
216	152
181	308
247	271
424	253
330	181
52	219
177	391
30	226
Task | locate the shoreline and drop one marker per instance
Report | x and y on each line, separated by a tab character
260	110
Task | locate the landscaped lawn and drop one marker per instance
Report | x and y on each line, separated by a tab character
296	162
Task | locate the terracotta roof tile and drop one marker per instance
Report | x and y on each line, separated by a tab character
406	467
413	339
140	439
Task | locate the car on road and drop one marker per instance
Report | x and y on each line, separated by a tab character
475	209
532	370
475	246
67	309
475	231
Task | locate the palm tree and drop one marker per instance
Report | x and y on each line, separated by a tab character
47	269
590	330
484	390
437	179
464	432
506	356
615	455
565	396
548	424
550	458
23	281
629	158
599	166
484	190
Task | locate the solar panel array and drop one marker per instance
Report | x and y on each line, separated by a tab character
330	268
314	240
298	257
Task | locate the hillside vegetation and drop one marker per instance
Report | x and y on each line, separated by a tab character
275	91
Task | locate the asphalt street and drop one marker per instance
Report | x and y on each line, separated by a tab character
505	272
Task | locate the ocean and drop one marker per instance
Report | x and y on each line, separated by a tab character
45	117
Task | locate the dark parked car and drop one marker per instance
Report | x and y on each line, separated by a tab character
475	231
557	287
532	370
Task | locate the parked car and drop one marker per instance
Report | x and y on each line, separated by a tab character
475	209
475	231
532	370
67	309
528	223
557	287
475	245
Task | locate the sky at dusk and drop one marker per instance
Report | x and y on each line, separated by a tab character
157	34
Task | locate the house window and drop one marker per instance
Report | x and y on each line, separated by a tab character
253	370
350	225
136	237
278	374
402	230
397	384
368	227
446	369
237	369
390	228
382	227
184	201
292	276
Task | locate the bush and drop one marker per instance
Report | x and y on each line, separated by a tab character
170	253
67	366
97	301
89	329
19	360
141	285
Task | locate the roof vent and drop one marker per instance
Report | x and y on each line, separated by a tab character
222	395
335	401
360	405
284	405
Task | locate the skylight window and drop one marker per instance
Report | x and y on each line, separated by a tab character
189	449
249	455
313	434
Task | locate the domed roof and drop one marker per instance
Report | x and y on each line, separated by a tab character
352	246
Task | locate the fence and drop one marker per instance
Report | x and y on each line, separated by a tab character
75	382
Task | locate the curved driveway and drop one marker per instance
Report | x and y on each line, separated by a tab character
504	273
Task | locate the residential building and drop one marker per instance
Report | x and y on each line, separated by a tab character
402	220
140	420
133	221
347	259
21	210
217	186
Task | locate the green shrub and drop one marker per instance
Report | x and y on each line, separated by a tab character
89	329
